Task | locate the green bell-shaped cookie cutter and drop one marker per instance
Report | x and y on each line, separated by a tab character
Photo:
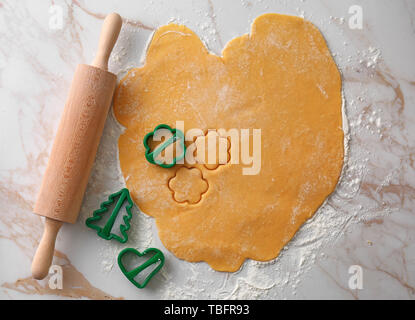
177	136
158	256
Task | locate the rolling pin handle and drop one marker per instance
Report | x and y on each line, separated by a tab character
109	34
44	253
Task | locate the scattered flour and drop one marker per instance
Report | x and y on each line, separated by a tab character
280	277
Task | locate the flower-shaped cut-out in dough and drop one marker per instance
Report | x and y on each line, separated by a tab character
212	150
281	79
188	185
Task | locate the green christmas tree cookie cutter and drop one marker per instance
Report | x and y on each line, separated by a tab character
157	257
177	135
105	231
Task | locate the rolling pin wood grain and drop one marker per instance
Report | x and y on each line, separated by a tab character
75	145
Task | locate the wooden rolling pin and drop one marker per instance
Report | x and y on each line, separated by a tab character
75	145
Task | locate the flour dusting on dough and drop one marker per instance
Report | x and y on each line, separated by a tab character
253	80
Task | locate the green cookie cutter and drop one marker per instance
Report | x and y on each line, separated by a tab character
105	231
157	257
177	135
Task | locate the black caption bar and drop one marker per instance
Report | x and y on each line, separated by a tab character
199	309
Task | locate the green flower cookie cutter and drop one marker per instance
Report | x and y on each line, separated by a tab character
177	135
105	231
157	257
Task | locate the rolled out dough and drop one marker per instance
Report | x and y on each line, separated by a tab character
281	79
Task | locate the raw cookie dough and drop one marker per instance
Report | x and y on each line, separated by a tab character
281	79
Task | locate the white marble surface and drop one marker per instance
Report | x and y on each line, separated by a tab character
368	221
